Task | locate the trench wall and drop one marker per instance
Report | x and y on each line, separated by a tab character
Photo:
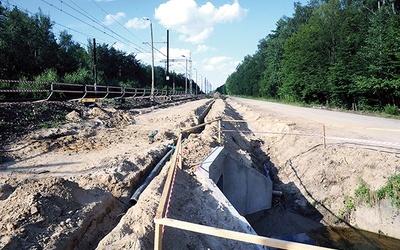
246	189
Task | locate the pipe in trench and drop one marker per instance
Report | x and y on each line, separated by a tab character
135	197
156	170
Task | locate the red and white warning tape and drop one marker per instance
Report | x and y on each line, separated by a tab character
394	144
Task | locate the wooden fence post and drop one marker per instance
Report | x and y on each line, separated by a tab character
219	131
158	237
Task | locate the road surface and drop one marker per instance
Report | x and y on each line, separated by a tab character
338	123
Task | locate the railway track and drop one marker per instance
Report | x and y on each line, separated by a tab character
19	91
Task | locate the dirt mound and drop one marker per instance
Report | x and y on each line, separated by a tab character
41	214
17	119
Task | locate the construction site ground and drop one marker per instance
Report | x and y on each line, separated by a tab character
67	172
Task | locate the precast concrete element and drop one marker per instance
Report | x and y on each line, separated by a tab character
248	190
202	173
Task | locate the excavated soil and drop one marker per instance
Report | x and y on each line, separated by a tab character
66	179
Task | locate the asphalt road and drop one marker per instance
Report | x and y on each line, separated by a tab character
350	124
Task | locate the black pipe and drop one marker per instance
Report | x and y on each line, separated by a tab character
135	197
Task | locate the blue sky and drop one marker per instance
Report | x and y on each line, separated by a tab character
216	34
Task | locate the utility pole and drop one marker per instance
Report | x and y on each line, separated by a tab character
196	86
152	62
205	85
186	78
152	59
167	74
94	65
190	70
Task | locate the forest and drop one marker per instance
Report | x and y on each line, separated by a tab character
338	53
31	51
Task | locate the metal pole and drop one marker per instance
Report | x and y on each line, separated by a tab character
152	63
191	76
94	65
201	82
205	85
167	75
196	81
186	85
173	81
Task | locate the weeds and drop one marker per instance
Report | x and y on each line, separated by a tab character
349	202
391	109
363	193
391	190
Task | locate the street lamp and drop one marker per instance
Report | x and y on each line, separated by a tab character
152	60
186	60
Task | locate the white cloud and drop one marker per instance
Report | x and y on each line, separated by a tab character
137	23
175	53
196	23
202	48
110	19
218	60
220	64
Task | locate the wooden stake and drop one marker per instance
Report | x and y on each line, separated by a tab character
158	237
219	132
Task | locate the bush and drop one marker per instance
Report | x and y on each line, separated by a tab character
49	75
81	76
391	109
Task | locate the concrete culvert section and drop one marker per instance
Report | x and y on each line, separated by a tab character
237	181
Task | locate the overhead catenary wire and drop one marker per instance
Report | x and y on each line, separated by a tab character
92	18
124	27
116	21
55	23
89	16
90	25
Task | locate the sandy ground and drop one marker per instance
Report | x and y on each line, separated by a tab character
68	187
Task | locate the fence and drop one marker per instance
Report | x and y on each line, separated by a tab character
14	89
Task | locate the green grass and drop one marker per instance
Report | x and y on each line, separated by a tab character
391	190
349	202
363	193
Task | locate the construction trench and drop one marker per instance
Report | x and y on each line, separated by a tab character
106	206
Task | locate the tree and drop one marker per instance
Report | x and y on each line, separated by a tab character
379	83
71	56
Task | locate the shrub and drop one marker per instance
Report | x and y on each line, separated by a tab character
391	109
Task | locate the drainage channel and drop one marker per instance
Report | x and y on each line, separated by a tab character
138	186
204	110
